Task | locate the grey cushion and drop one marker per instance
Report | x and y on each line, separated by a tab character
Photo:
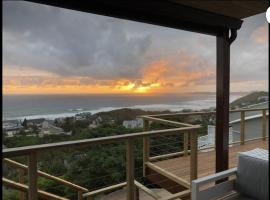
252	177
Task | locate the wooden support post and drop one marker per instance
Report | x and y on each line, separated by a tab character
130	170
21	172
137	194
222	102
146	146
242	128
32	177
264	124
185	143
80	195
193	155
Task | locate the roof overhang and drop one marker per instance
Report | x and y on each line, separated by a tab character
159	12
239	9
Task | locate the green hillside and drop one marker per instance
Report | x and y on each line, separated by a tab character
252	98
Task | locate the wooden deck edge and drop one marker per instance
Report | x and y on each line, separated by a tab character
146	190
169	175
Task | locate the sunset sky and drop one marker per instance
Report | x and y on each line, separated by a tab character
49	50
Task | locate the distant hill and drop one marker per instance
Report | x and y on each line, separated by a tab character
252	98
120	115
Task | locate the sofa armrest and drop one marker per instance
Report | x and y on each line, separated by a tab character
216	190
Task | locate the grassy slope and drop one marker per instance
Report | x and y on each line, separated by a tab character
249	99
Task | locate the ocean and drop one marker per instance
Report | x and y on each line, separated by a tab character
54	106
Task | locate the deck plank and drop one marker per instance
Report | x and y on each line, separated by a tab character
206	160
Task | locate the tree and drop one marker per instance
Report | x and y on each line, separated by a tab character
35	129
68	124
24	124
22	132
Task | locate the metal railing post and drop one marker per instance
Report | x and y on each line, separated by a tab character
193	155
146	146
130	170
32	176
242	128
264	124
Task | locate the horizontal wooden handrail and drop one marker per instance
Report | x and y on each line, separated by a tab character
24	188
205	113
169	155
20	151
167	122
45	175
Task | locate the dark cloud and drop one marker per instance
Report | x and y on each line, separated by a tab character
70	43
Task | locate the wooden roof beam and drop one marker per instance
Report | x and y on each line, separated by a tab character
158	12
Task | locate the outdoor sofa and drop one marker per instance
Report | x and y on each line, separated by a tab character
248	181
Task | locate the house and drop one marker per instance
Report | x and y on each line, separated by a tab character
136	123
59	120
11	127
253	127
83	116
96	122
11	124
209	139
35	122
12	132
263	98
45	124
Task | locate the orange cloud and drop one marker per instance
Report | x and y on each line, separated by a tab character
178	73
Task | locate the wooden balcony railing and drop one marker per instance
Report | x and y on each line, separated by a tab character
33	151
23	169
190	148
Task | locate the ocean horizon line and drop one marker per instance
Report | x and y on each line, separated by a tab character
120	94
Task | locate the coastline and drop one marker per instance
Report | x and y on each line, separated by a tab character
198	104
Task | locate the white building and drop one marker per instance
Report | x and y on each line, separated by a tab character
137	123
45	124
11	127
264	98
253	126
209	139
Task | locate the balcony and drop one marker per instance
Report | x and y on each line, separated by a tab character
156	174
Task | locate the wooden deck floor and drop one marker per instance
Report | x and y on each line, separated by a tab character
206	160
180	167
